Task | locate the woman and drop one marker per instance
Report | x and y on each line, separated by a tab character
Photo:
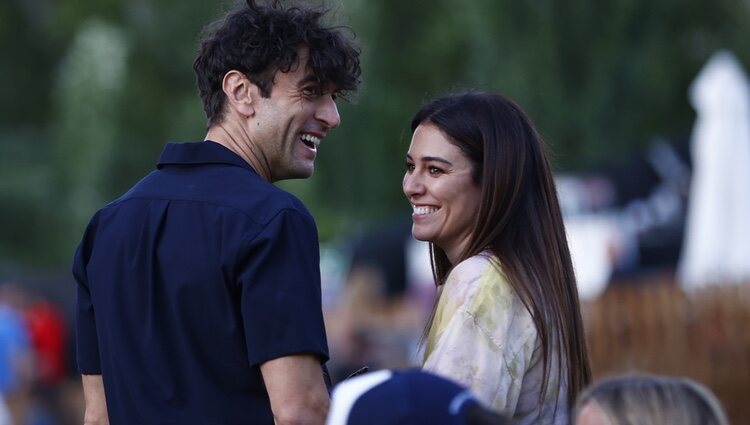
506	322
648	400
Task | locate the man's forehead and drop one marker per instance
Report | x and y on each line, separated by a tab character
302	63
303	77
301	72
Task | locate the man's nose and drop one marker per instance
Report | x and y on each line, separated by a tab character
328	112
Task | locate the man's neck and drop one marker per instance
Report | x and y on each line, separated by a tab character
236	138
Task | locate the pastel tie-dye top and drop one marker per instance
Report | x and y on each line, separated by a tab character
484	338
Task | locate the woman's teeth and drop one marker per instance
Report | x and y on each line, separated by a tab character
423	210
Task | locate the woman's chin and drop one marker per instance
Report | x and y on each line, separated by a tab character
420	236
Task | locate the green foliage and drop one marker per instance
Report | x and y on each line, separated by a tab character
87	92
91	90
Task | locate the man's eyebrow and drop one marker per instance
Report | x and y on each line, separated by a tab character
323	86
309	78
431	158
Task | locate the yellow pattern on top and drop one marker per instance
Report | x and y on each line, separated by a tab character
483	337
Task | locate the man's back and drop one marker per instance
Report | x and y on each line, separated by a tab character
190	292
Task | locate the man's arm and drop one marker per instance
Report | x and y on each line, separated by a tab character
96	404
296	389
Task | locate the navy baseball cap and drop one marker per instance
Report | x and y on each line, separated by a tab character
412	397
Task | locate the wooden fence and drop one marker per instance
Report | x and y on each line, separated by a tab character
656	327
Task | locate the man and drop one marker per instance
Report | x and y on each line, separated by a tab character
199	289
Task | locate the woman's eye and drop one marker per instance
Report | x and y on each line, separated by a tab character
435	170
409	167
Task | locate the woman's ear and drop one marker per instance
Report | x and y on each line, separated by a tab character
240	92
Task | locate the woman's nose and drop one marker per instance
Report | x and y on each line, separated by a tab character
411	185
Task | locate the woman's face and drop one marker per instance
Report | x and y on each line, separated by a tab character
443	196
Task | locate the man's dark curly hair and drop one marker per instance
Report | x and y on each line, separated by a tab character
260	39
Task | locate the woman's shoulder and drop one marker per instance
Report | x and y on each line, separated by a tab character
474	267
479	279
483	269
487	296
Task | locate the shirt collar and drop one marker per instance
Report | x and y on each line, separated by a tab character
206	152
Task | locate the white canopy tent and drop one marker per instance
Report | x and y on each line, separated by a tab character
716	248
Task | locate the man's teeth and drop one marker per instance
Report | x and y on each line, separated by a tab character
424	210
310	139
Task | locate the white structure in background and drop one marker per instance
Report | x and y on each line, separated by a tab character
593	237
716	249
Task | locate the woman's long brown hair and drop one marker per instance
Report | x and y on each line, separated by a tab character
519	220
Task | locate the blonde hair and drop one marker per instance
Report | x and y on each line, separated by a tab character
653	400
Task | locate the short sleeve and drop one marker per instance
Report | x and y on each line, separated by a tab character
87	342
485	341
280	286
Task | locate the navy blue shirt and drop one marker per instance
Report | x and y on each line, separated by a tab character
191	280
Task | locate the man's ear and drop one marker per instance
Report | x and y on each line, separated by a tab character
240	92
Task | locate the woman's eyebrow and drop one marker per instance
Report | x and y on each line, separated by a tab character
435	159
430	158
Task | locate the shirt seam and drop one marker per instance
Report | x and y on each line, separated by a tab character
215	204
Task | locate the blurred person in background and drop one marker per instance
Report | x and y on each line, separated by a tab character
24	401
47	329
16	357
648	400
46	324
4	414
199	298
506	322
410	397
381	313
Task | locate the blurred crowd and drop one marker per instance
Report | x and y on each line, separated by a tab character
37	385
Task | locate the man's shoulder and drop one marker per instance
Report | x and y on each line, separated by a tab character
229	188
272	201
262	200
